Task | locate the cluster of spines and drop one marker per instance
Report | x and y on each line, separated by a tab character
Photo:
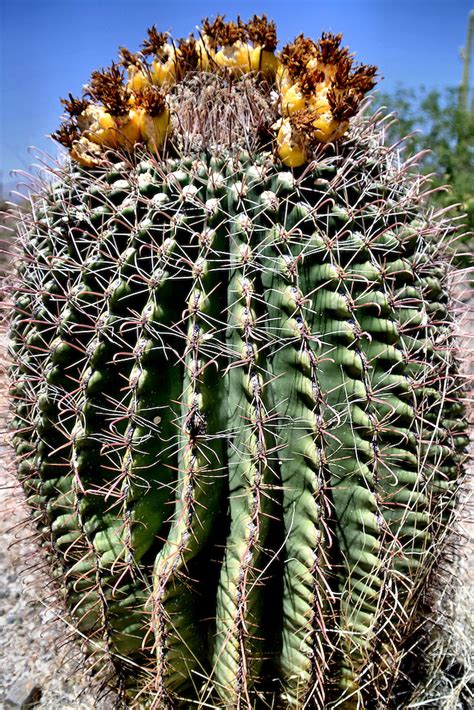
332	349
101	586
317	89
238	647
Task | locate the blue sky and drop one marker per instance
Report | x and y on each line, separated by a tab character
50	47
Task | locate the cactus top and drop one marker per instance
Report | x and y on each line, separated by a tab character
309	91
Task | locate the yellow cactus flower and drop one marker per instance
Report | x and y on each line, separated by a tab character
154	129
328	128
137	80
235	57
164	73
292	100
264	61
99	126
291	148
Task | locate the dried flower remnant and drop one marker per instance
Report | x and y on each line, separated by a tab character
153	46
154	117
217	30
328	50
262	32
74	106
189	54
66	134
107	88
128	58
317	85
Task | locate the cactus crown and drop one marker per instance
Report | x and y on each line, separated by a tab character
310	91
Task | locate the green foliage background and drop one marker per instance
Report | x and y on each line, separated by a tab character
436	123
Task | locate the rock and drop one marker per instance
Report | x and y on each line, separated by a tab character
23	694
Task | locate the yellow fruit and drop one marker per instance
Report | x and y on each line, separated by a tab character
137	80
205	55
129	129
98	126
164	73
328	69
263	61
319	103
292	100
103	129
340	130
283	79
291	148
235	56
328	129
154	129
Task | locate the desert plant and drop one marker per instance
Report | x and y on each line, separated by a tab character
238	418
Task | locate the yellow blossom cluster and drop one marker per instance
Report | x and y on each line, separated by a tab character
315	87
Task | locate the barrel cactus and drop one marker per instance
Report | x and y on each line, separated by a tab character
237	412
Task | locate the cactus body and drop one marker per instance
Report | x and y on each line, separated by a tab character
238	417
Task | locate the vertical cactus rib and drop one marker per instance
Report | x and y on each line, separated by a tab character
28	346
238	645
378	414
154	383
307	596
57	405
103	604
98	476
414	501
178	641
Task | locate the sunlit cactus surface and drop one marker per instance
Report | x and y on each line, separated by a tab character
236	408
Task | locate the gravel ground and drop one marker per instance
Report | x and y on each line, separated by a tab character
35	661
39	665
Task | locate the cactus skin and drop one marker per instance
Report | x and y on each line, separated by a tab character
238	418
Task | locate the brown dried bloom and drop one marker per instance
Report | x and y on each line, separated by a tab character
344	103
296	55
151	99
66	134
107	87
188	54
262	32
349	88
155	42
128	58
328	50
74	106
309	80
363	78
223	33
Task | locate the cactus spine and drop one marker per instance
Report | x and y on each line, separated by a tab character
237	414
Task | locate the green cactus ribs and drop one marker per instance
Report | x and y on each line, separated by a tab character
237	412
